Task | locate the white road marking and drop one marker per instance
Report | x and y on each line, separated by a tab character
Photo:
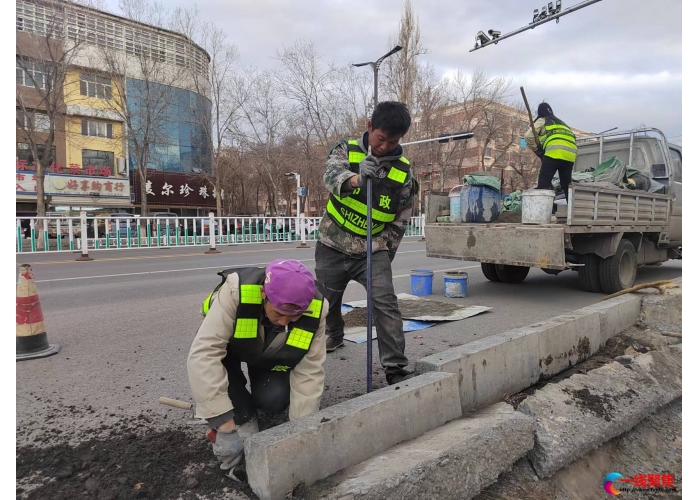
185	270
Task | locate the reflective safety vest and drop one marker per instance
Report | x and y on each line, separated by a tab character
245	343
558	141
350	212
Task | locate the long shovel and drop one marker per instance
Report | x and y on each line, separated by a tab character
529	114
369	279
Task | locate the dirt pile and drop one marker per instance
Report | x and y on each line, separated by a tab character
409	308
132	462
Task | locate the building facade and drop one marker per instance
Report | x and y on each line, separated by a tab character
97	127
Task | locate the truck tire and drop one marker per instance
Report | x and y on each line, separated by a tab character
589	274
489	271
512	274
619	271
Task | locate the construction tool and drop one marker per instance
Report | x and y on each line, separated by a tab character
182	405
369	279
532	123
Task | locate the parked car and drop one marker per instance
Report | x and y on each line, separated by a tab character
52	225
160	218
124	220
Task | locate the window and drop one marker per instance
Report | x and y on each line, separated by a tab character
499	155
98	158
97	129
25	157
95	86
31	73
488	152
33	121
676	162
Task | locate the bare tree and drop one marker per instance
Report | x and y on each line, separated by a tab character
401	71
261	127
151	84
44	57
216	122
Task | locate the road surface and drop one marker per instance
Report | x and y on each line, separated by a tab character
125	322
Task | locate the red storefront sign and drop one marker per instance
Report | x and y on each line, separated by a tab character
175	190
69	185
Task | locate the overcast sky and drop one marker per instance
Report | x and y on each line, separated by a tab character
616	63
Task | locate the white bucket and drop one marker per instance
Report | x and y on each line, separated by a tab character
455	204
537	206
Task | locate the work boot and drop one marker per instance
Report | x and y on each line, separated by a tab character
333	343
396	376
553	219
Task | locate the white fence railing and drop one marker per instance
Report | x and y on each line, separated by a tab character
66	234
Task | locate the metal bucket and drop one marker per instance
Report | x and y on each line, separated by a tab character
537	206
455	284
422	282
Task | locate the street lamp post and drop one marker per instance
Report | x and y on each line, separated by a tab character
375	68
298	178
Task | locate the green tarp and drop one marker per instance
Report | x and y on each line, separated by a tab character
513	202
483	180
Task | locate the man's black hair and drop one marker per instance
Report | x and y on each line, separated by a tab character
391	117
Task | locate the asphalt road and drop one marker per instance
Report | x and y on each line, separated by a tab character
125	322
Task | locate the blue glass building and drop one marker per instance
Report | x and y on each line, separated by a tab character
181	145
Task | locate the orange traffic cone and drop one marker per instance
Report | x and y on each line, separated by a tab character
32	341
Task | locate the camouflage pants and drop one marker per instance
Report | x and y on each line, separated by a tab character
334	270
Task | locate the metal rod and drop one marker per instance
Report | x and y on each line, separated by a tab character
369	279
537	23
468	135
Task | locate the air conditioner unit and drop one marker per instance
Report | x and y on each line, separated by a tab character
121	166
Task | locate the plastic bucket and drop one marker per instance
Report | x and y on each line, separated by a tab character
480	204
455	284
455	204
537	206
422	282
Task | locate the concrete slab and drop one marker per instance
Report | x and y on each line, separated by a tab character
578	414
616	315
455	461
663	311
566	340
490	367
340	436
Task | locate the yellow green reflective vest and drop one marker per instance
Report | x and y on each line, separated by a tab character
350	212
558	141
246	344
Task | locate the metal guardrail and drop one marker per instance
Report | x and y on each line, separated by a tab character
85	234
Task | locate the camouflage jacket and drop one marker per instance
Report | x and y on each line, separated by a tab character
337	172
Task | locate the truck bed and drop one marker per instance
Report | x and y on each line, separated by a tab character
591	210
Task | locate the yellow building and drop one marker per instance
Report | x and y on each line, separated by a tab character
95	138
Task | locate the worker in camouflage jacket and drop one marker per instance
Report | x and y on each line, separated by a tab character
342	238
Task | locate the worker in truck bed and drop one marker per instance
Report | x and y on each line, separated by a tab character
557	151
274	320
341	249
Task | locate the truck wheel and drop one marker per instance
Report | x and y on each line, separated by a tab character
512	274
589	274
489	271
619	271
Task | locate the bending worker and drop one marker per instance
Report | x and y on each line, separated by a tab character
342	235
274	320
558	150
